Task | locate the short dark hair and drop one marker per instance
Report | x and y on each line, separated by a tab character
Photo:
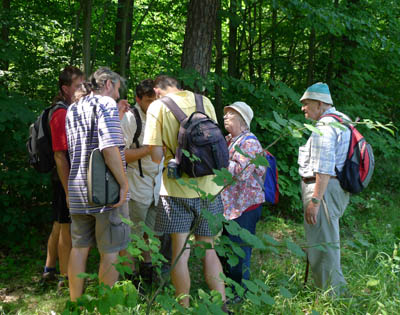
164	81
67	75
145	88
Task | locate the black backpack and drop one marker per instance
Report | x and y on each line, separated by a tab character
39	144
200	136
135	139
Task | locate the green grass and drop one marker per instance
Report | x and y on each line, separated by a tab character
370	231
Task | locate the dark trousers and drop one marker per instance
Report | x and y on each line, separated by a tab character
248	221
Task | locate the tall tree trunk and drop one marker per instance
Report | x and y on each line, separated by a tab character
251	52
199	34
74	32
260	37
100	29
311	54
87	14
129	39
121	35
273	39
332	45
232	47
5	33
218	67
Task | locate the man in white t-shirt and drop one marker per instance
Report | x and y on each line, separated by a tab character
144	176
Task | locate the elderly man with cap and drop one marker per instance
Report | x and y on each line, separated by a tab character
324	200
242	201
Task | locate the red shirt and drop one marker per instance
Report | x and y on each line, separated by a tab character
58	133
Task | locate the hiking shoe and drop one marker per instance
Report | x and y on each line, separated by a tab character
49	276
62	283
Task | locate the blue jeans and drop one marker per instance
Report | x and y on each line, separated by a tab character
248	221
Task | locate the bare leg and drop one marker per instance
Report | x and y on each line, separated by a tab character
77	265
212	267
107	272
52	244
64	247
180	274
146	254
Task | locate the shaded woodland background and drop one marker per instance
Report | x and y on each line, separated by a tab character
263	52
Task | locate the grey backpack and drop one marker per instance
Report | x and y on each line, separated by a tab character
200	136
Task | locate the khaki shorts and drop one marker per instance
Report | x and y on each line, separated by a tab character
106	230
140	212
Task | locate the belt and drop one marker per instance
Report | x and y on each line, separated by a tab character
308	180
311	180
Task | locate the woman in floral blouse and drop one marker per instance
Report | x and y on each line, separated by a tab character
243	200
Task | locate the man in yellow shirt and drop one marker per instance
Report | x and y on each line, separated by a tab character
180	206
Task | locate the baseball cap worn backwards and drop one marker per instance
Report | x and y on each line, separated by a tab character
319	92
243	109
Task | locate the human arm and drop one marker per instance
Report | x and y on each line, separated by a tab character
132	155
60	157
240	164
321	183
112	158
157	153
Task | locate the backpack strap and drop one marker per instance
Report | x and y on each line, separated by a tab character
337	117
198	98
174	108
92	121
137	134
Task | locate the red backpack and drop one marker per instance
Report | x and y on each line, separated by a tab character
359	165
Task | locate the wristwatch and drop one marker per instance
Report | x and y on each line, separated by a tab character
315	200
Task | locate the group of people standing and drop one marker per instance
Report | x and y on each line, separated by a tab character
136	143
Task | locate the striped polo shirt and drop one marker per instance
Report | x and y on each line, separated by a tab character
106	133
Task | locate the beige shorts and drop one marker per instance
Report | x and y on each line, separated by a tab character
140	212
106	230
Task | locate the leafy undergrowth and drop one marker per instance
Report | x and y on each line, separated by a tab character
370	259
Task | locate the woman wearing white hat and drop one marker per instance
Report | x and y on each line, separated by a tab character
242	201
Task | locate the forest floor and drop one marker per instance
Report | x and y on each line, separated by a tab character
370	237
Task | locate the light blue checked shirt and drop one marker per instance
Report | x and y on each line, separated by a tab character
322	153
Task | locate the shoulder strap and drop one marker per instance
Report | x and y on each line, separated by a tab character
94	115
198	98
337	117
138	126
174	108
136	136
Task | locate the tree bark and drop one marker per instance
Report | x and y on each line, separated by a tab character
273	40
5	34
122	36
332	44
199	34
232	48
218	68
260	37
74	32
311	55
87	13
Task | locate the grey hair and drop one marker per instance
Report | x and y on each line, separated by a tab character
98	79
242	122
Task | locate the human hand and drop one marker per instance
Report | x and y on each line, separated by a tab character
123	107
123	191
311	212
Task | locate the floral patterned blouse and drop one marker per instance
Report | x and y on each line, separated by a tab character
246	192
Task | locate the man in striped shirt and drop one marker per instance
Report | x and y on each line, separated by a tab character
96	225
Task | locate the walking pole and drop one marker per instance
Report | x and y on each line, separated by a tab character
306	273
